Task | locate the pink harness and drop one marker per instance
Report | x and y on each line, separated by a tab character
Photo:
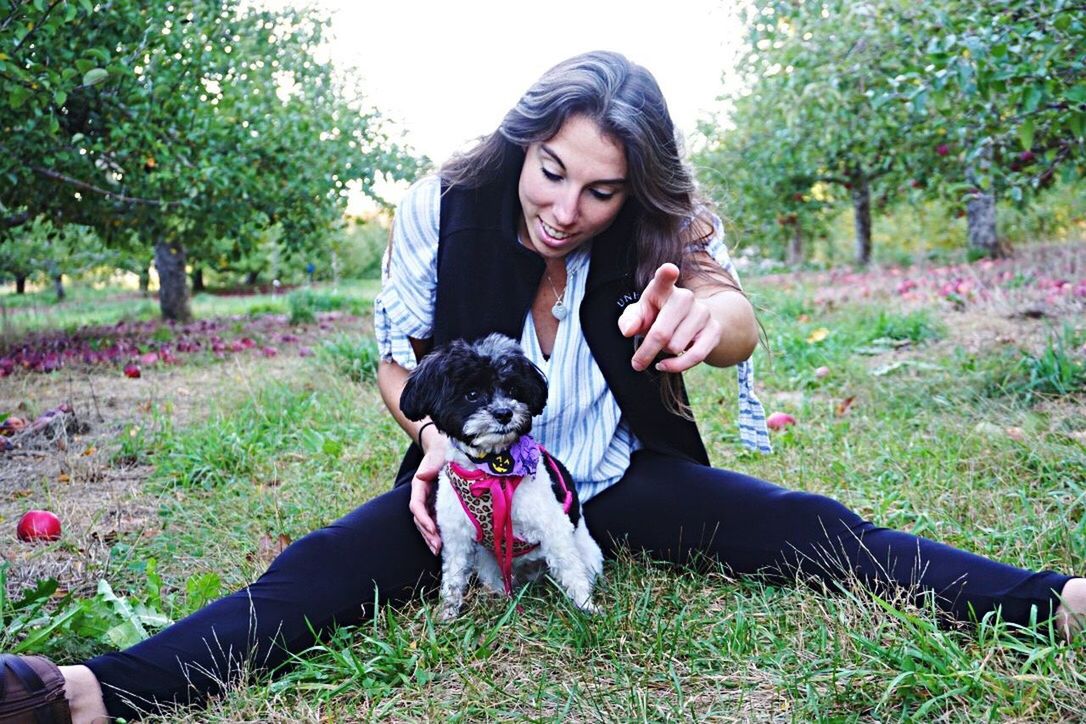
486	491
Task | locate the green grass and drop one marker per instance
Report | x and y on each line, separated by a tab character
922	445
87	306
1057	370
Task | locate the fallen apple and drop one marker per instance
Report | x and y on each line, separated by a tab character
132	370
821	372
38	525
779	421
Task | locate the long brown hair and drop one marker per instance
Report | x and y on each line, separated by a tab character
625	101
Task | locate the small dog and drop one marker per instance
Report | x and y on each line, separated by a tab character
505	507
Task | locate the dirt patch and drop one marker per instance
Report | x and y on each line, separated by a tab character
84	476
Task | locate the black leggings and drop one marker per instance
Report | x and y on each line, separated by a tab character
673	510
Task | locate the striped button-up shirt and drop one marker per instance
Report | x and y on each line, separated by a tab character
582	424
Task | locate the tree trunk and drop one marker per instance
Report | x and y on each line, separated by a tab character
250	279
20	284
145	281
980	209
198	279
980	212
861	208
173	290
795	246
58	286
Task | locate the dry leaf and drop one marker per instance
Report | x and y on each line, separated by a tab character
268	548
63	478
91	449
818	335
844	405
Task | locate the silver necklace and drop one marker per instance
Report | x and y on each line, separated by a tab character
559	311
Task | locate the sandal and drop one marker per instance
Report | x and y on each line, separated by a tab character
32	691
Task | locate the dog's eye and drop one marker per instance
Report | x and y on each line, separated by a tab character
471	395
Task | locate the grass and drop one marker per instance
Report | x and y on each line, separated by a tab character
87	306
908	427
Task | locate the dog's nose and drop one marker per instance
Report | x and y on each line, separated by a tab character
502	414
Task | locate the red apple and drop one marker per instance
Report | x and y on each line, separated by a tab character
132	370
38	525
779	421
942	149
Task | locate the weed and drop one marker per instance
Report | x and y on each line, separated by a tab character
305	303
41	622
354	357
1057	370
301	307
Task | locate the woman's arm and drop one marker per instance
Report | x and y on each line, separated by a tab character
402	319
732	311
391	379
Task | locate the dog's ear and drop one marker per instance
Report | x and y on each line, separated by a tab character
424	389
534	384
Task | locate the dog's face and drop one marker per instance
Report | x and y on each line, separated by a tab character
483	394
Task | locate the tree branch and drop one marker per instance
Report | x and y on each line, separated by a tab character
10	222
84	186
34	29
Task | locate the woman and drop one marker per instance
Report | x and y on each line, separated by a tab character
576	229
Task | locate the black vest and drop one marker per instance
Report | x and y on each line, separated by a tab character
486	282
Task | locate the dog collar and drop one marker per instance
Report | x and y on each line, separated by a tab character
519	460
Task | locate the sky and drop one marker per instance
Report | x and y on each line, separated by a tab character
448	71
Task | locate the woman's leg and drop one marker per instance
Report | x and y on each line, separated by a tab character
328	577
676	510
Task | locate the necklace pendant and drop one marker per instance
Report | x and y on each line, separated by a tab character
559	311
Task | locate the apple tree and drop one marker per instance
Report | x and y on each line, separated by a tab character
815	72
1005	83
184	122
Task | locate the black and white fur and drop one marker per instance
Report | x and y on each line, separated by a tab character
483	396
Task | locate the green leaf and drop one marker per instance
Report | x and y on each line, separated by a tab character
1034	94
1025	133
1077	122
60	97
94	76
18	96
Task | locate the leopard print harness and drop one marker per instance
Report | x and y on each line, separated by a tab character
487	500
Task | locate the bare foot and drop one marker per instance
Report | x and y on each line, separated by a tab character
84	695
1070	617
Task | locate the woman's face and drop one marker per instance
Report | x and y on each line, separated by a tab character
571	187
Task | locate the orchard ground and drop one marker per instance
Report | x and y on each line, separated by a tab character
952	404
